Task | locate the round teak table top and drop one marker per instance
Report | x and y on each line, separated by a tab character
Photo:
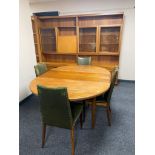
82	82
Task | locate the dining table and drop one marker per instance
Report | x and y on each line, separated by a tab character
83	82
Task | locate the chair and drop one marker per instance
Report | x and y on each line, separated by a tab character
84	60
56	110
104	99
40	69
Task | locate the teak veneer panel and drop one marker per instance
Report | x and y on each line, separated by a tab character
67	44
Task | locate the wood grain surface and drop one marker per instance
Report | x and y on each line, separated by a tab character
82	82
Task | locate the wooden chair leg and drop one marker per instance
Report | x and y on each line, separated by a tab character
84	111
43	134
81	120
72	140
110	109
93	112
109	116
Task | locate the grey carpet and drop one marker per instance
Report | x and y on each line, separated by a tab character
103	140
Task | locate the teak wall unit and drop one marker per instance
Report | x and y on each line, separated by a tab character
60	39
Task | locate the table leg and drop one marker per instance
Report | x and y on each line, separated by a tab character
93	112
84	111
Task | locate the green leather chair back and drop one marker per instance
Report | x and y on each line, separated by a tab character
84	60
40	69
55	107
108	94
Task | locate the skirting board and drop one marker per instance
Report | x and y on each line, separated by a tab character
25	99
129	81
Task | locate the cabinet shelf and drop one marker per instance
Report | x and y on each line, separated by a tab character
110	25
56	17
109	53
56	53
105	65
87	34
87	26
58	64
66	26
87	43
53	27
99	53
83	53
48	36
48	43
109	44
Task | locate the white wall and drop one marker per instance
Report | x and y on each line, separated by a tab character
65	7
26	50
127	57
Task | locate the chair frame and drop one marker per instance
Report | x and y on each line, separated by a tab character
105	104
35	68
71	135
44	125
